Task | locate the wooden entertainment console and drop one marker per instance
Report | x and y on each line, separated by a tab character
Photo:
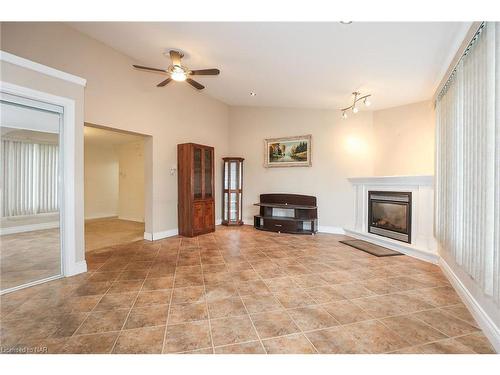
287	213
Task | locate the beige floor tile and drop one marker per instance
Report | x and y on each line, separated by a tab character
148	316
252	287
187	336
124	286
273	324
477	342
153	297
292	344
449	346
189	294
103	321
216	292
159	283
461	312
336	340
375	336
253	347
225	308
324	294
312	317
445	323
414	331
256	303
232	330
187	312
116	301
346	312
140	341
86	344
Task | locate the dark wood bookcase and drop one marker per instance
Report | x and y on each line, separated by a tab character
196	206
302	212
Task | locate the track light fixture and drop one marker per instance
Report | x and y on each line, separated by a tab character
356	99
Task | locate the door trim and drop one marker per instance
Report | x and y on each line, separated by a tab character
70	242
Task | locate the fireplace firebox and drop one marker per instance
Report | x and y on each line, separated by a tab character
389	214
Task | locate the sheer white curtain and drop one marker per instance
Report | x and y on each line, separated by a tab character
29	178
467	221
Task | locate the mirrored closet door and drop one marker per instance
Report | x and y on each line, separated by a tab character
30	183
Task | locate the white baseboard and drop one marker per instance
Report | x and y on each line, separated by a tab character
331	230
29	228
135	219
76	268
101	216
159	235
490	329
395	245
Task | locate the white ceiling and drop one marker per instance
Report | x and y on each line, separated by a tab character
297	64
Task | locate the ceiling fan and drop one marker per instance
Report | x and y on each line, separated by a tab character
178	72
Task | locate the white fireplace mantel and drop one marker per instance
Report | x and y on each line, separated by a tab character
394	180
423	244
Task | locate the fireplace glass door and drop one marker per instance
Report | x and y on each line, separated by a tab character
389	214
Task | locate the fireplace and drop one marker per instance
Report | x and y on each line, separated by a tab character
389	214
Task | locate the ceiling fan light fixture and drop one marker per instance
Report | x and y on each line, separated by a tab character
355	110
367	102
252	93
178	73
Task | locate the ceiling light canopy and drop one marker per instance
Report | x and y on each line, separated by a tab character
356	98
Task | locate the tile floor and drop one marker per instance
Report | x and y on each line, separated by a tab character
242	291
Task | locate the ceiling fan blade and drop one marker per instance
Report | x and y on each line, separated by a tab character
195	84
176	57
163	83
205	72
148	68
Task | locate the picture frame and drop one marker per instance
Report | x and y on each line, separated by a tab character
288	151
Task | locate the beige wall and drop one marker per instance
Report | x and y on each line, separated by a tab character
118	96
101	181
340	149
131	181
404	140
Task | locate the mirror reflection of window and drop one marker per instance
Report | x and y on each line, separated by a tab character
30	194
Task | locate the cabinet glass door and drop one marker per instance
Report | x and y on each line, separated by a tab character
232	198
208	173
197	173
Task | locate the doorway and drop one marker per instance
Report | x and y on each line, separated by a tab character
114	174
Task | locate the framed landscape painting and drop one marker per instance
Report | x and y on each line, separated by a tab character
288	152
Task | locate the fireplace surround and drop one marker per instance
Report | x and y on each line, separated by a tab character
422	242
389	214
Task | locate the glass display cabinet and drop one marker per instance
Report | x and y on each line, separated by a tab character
232	191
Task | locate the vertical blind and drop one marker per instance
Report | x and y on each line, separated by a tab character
29	178
467	220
